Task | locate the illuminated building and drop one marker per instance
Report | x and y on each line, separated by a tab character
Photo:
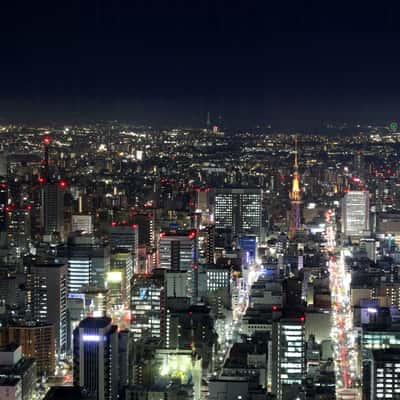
206	245
120	276
288	357
178	252
238	210
82	223
355	214
126	237
181	365
148	309
79	273
47	286
385	374
88	260
295	200
37	341
19	231
96	358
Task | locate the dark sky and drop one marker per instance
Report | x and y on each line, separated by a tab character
289	62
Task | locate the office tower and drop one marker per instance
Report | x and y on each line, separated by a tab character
19	231
14	365
148	308
355	214
82	223
120	276
385	374
206	245
47	288
79	273
146	225
178	252
295	200
288	357
96	358
238	210
37	341
126	237
88	260
52	209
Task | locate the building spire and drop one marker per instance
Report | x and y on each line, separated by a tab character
296	164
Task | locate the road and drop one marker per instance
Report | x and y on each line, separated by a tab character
342	331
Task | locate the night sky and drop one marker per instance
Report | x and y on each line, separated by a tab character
295	63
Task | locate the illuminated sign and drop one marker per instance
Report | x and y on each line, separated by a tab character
92	338
114	276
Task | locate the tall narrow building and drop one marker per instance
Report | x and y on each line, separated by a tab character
295	199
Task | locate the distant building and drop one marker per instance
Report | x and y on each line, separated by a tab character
52	210
239	210
355	214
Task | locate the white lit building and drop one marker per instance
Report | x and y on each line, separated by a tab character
239	210
355	214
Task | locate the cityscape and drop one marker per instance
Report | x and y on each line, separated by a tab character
199	200
139	263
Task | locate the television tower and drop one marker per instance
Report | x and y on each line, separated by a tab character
295	198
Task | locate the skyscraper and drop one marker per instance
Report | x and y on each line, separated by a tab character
148	308
178	252
288	357
47	285
96	357
239	210
52	210
355	213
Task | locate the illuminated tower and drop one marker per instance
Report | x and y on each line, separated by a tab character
295	199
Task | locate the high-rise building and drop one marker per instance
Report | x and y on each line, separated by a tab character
88	260
148	308
37	341
178	252
385	374
126	237
52	210
238	210
288	357
79	273
120	276
19	231
47	286
96	358
355	213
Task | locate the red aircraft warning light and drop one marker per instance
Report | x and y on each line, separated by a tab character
42	180
62	184
46	140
